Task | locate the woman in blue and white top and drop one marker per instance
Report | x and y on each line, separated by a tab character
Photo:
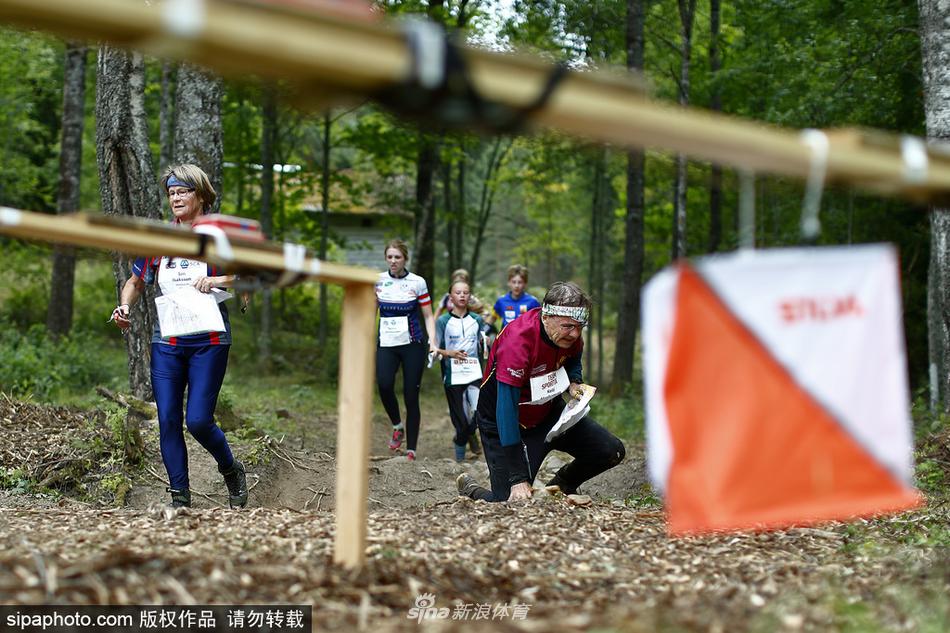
458	332
403	339
190	343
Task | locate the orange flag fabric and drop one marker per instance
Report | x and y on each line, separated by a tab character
776	389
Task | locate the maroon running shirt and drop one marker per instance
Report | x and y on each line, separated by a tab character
522	352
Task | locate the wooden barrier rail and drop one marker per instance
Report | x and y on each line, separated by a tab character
326	56
357	339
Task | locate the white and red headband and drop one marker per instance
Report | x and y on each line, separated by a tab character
578	313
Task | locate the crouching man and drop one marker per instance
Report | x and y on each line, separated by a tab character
533	360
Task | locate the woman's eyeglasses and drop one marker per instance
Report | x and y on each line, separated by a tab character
180	193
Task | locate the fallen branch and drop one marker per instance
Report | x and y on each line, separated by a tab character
136	406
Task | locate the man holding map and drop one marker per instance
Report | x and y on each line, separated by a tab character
521	415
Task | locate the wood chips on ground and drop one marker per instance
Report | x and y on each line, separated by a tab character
570	567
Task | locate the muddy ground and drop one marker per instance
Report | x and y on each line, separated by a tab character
608	565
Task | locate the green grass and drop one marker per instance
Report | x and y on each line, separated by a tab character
623	416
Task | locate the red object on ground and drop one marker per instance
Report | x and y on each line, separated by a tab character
233	226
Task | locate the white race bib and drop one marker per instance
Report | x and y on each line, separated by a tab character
175	273
182	309
509	315
465	370
394	331
187	312
548	386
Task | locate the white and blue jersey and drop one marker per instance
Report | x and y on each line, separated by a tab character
399	300
508	308
453	332
152	269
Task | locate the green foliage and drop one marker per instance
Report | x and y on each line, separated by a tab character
30	361
117	485
30	103
94	297
645	497
33	364
301	394
623	416
819	63
930	475
932	472
15	480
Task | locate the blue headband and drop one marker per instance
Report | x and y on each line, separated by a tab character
174	182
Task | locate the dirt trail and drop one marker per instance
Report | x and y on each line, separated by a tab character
287	475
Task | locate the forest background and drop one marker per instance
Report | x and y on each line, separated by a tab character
602	216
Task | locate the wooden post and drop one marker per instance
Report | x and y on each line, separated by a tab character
357	368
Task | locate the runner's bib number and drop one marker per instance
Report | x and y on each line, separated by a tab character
548	386
394	331
465	371
182	309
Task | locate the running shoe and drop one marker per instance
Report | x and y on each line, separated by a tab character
411	456
560	484
180	498
466	485
396	441
236	480
473	444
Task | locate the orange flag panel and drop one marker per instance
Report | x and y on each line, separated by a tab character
751	448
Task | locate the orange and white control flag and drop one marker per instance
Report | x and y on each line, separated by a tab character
776	388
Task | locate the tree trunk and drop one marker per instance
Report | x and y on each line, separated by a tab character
59	313
268	139
245	125
593	258
198	124
166	116
715	104
600	290
127	184
324	222
687	9
461	206
628	319
451	217
935	46
424	256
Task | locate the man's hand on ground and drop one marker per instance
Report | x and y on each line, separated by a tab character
520	492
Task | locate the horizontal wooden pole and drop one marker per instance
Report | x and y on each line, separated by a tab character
139	237
325	56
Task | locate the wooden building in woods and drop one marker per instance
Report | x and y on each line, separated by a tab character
362	233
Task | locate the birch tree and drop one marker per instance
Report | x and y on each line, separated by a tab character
935	47
687	11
